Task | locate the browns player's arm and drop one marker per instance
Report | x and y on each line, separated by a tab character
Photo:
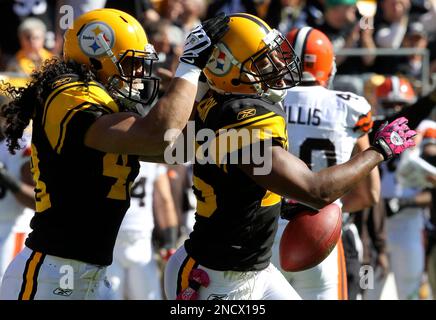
290	177
367	192
127	133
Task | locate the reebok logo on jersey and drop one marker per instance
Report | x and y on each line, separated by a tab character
246	114
60	82
215	296
63	292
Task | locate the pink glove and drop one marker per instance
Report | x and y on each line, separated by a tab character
197	278
393	138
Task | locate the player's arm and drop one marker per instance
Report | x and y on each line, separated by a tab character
291	178
130	134
165	214
182	141
367	192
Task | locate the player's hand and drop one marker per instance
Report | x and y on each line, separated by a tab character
393	138
200	42
8	181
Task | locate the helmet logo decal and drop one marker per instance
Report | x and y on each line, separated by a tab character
220	62
89	41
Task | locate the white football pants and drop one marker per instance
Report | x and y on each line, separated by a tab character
35	276
267	284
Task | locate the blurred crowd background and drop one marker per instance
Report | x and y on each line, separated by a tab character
369	36
373	39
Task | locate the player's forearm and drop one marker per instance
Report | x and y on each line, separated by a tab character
334	182
170	115
364	195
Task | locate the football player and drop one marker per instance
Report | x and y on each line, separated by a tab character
227	256
134	274
87	135
405	214
325	126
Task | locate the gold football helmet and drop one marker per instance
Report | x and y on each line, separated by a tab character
253	59
116	46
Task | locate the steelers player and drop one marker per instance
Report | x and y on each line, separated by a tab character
227	256
87	136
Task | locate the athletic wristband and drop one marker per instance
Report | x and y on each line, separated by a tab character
169	237
188	72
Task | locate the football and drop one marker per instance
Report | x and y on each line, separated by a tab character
309	237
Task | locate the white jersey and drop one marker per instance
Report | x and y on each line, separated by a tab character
10	208
139	217
324	125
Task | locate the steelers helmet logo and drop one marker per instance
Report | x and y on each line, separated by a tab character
220	62
91	37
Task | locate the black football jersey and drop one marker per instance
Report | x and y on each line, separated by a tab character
81	193
236	219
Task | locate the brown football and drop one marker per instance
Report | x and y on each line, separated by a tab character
309	237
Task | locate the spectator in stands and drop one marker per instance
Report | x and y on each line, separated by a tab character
416	37
231	6
391	22
342	27
193	11
285	15
14	12
168	52
142	10
32	54
390	26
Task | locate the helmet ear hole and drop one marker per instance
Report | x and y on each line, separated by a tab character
95	64
235	82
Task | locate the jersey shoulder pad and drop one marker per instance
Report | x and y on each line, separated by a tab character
241	112
358	111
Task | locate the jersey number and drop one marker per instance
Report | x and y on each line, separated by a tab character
138	191
115	165
311	144
206	198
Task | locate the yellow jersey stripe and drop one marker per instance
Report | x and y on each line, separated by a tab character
93	93
56	92
30	276
65	122
185	273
